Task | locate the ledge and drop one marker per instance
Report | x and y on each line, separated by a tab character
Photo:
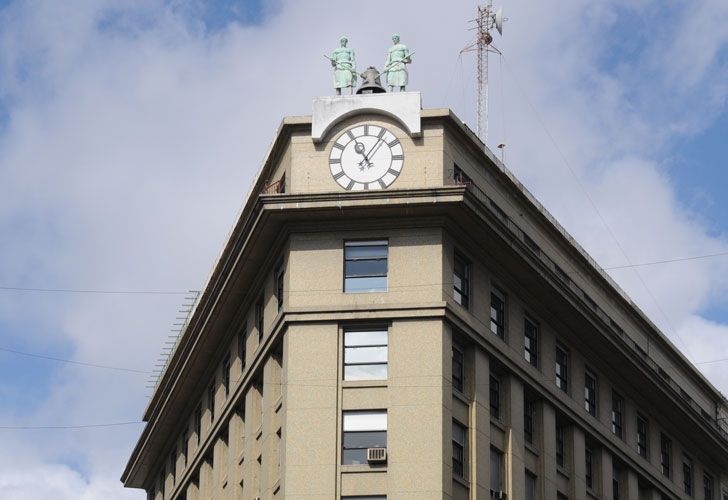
404	107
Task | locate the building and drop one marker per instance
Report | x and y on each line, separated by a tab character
394	316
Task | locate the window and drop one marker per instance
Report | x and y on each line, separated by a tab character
708	486
642	436
185	445
162	477
460	177
365	266
532	245
241	344
561	273
617	415
365	354
530	342
665	454
198	424
211	400
561	496
498	313
496	470
362	430
173	464
498	211
530	485
461	281
495	397
562	369
458	368
590	393
615	483
260	317
529	411
687	475
459	438
560	446
226	374
279	286
589	467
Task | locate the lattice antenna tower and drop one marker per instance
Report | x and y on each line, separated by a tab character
487	20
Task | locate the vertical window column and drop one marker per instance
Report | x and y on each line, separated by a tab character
362	430
562	369
687	475
642	436
495	398
365	353
530	342
498	313
461	281
666	456
365	266
496	470
458	368
617	415
590	393
459	452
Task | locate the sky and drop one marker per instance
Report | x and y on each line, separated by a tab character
131	130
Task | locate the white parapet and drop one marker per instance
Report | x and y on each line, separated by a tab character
402	106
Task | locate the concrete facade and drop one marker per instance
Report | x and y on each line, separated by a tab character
274	428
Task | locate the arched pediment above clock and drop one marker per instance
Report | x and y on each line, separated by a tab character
404	107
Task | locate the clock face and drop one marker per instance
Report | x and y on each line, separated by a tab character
366	157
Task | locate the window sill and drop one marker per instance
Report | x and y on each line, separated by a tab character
259	432
359	469
533	449
563	471
498	423
277	486
591	493
461	481
364	383
241	457
279	404
461	396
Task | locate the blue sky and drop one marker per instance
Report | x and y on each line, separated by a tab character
130	131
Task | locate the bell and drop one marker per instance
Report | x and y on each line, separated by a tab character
371	83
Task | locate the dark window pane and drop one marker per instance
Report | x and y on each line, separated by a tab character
366	252
365	439
355	268
354	457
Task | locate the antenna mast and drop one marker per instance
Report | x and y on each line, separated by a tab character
487	20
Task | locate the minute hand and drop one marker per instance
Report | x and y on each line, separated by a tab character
375	148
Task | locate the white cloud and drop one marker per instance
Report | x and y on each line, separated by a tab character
128	156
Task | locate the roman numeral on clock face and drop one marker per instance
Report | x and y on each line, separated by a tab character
398	157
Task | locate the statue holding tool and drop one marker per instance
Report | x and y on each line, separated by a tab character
344	62
396	65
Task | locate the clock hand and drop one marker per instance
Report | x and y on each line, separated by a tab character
359	148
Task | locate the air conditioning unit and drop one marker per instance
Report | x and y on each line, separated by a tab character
377	455
498	495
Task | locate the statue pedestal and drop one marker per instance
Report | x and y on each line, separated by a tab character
404	107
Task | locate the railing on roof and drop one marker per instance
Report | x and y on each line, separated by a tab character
170	345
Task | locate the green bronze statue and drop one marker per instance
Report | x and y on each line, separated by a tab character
395	67
344	63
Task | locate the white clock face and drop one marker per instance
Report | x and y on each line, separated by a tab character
366	157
